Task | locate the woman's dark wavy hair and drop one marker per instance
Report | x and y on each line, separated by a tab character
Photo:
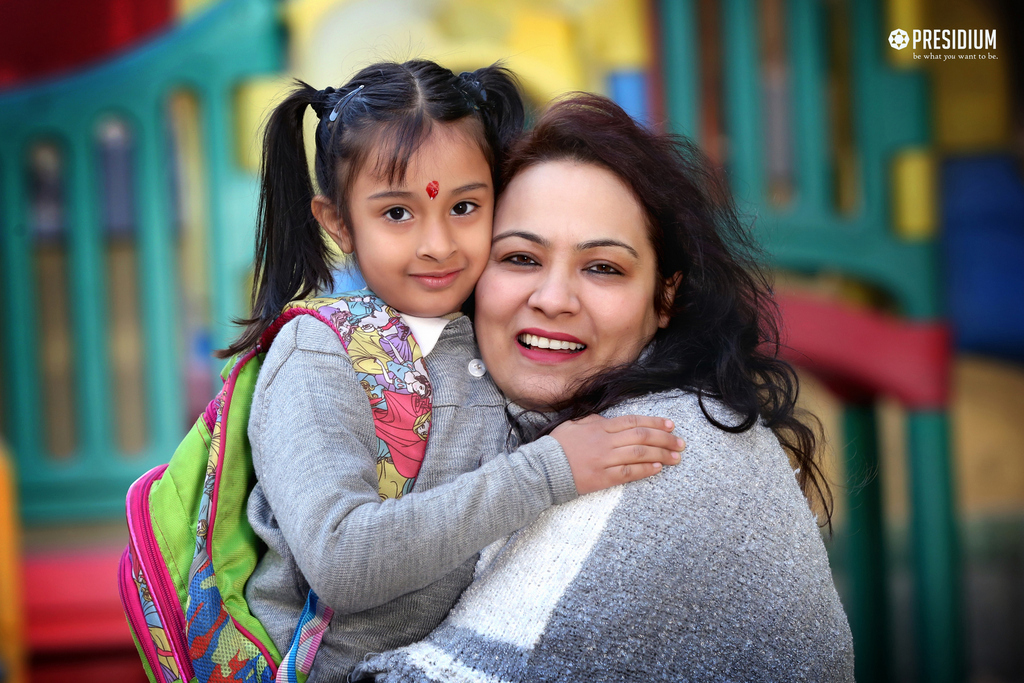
722	339
384	112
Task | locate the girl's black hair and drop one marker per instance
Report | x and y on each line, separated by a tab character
387	109
722	339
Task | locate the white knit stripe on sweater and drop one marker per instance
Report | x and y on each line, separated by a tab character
438	665
528	576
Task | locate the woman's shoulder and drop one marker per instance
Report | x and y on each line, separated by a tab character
718	463
692	414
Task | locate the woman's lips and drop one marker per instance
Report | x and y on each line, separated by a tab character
548	347
437	280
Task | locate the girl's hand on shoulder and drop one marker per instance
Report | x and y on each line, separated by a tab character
604	452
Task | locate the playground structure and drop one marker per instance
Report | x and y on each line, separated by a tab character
127	233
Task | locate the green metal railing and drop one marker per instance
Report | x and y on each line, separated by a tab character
889	112
208	57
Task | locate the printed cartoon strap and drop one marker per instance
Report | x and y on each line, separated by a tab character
390	368
389	365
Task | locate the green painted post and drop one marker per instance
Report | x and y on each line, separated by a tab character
868	604
935	549
810	129
224	286
742	95
22	360
680	49
88	297
158	278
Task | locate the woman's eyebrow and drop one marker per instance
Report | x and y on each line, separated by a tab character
593	244
528	236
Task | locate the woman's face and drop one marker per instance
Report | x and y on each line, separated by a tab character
569	287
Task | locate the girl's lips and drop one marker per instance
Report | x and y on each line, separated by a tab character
437	280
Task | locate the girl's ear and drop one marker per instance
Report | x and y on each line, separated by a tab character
329	218
668	298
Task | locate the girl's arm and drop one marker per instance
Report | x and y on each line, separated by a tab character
315	449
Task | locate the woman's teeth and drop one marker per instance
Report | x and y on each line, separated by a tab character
545	343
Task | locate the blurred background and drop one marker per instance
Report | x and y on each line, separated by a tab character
886	186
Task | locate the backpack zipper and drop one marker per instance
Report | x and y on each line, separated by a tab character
133	611
160	585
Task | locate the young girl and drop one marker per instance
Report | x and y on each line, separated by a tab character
406	159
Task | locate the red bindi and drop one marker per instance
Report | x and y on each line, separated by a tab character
432	187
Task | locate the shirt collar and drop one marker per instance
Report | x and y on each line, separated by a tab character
428	330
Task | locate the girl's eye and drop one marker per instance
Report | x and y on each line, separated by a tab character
398	214
604	269
464	208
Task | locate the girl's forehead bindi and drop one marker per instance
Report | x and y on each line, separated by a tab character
433	187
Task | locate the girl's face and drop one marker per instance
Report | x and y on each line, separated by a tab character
569	287
421	244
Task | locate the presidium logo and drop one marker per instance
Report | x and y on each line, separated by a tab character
899	39
943	39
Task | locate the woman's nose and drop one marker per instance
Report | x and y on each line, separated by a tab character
555	295
436	243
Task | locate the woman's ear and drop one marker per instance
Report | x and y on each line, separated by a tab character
668	298
329	218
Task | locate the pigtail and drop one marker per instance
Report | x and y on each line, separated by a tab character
498	97
292	257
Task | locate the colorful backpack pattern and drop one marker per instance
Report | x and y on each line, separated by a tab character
191	549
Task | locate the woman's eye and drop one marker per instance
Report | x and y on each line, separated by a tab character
398	213
464	208
520	260
604	269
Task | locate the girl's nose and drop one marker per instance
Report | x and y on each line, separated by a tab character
555	295
436	243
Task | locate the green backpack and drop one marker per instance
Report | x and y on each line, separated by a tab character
191	550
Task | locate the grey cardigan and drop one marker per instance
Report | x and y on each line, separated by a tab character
391	570
713	570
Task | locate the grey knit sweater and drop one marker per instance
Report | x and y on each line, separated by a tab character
713	570
391	571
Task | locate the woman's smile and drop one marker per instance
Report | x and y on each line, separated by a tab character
549	347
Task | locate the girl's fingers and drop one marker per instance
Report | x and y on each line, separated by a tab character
645	436
626	422
624	457
634	472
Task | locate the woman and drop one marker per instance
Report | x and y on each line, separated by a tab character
617	259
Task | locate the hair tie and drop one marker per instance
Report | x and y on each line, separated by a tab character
472	90
319	101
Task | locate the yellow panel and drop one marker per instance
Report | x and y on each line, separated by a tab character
914	194
254	100
907	15
185	9
971	97
303	16
615	35
541	44
972	105
12	625
988	435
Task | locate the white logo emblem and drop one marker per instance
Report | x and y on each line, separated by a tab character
899	39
